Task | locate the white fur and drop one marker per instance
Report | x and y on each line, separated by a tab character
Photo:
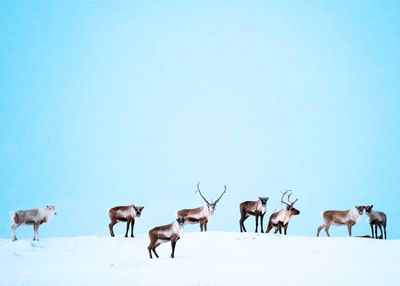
355	216
125	213
175	229
205	212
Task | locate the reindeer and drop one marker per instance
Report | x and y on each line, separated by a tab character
255	208
347	217
377	219
124	213
280	219
161	234
202	214
34	217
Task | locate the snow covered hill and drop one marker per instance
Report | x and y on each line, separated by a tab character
212	258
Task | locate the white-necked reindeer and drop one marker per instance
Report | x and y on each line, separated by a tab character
280	219
202	214
161	234
34	217
255	208
124	213
377	219
347	217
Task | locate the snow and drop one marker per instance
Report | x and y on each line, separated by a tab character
212	258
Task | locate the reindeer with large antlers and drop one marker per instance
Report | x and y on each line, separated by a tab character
202	214
280	219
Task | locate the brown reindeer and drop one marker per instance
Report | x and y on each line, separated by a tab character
202	214
255	208
124	213
280	219
377	219
347	217
161	234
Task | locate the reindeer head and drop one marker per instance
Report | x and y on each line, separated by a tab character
263	200
181	220
368	209
138	210
211	206
289	204
51	208
360	209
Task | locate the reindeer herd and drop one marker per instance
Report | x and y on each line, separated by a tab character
172	232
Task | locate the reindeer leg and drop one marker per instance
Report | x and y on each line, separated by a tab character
384	228
132	226
349	226
154	249
380	228
14	228
35	231
128	222
320	228
285	229
269	226
372	229
327	230
205	225
111	227
262	222
376	231
174	239
256	216
244	218
149	248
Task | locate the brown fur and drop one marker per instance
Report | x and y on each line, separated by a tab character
116	216
202	214
253	208
165	233
287	213
334	217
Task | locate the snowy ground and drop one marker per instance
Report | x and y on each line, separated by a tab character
212	258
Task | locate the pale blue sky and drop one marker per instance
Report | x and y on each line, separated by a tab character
119	102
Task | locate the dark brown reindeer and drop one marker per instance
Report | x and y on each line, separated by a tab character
202	214
254	208
161	234
376	219
280	219
347	217
124	213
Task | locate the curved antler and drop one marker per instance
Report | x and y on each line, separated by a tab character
221	195
291	203
283	196
198	190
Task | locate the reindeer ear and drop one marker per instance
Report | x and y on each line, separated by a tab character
372	206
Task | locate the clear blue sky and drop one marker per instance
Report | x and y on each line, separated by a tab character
119	102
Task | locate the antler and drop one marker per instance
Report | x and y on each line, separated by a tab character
198	190
221	195
291	203
283	196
